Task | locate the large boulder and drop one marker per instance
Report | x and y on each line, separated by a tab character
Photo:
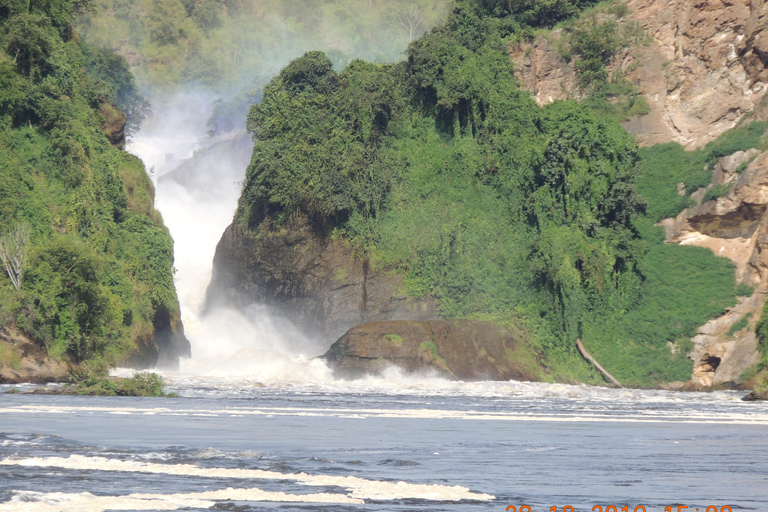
459	349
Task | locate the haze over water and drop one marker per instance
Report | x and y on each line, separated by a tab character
260	425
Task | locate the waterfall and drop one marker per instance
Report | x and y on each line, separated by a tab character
198	180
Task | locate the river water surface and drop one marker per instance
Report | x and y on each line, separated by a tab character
398	443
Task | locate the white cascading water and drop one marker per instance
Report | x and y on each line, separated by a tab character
248	345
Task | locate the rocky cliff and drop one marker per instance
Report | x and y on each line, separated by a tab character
701	67
734	226
309	277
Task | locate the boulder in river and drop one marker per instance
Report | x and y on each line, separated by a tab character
459	349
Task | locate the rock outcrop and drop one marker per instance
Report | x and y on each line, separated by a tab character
164	346
701	69
24	361
308	277
459	349
113	124
214	169
733	226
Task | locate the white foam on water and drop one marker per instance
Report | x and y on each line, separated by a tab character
747	415
358	488
28	501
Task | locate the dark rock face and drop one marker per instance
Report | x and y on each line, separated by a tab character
312	279
461	349
166	345
113	125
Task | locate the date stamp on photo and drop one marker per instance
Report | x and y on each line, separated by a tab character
626	508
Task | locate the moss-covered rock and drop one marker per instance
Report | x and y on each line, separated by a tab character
459	349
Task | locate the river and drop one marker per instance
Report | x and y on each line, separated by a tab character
398	444
260	425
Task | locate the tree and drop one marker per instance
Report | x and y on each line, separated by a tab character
409	16
13	253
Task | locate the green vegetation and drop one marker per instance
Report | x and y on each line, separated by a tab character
394	338
744	290
761	330
591	42
682	288
741	324
141	384
442	170
716	192
9	356
438	168
666	165
99	260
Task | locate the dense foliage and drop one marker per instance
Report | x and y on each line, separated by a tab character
99	265
442	169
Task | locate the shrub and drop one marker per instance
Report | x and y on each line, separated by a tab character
716	192
741	324
744	290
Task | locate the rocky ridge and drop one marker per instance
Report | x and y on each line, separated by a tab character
734	226
702	67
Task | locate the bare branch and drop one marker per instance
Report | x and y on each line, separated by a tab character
409	16
13	253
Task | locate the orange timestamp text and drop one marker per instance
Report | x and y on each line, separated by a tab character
625	508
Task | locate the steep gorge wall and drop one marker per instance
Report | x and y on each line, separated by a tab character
701	69
734	226
314	280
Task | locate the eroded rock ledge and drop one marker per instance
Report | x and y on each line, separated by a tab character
25	361
460	349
